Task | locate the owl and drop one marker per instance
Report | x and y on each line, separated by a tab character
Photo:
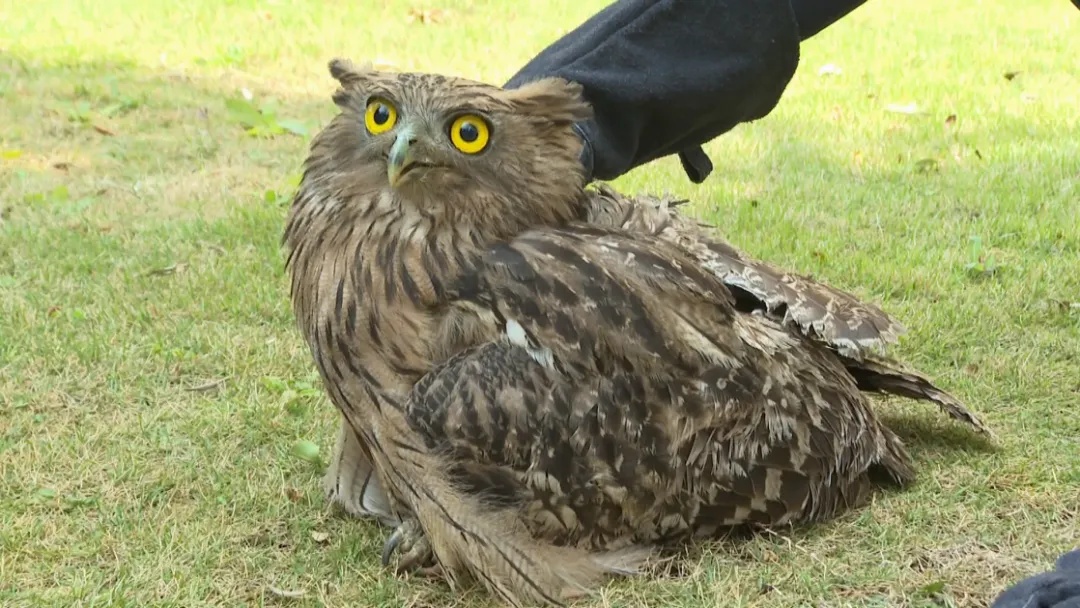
542	382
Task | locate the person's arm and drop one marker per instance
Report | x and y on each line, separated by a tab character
665	76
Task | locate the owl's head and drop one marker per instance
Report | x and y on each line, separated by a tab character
454	149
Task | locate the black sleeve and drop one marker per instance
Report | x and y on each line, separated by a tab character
665	76
1059	588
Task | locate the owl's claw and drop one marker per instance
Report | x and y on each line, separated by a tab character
415	552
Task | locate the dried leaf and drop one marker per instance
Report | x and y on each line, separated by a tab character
909	108
293	494
320	537
286	593
1011	75
425	15
830	69
950	120
61	165
103	130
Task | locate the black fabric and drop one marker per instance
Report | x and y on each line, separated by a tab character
1059	588
665	76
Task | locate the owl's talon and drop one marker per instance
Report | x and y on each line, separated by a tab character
415	553
391	545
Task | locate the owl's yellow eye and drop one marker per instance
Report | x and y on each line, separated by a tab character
380	116
470	134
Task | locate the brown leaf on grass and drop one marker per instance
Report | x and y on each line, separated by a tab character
293	494
320	537
427	15
950	120
103	130
1011	75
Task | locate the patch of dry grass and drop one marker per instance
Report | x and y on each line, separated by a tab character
152	386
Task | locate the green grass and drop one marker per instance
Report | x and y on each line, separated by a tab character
152	386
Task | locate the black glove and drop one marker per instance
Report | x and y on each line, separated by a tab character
1057	589
665	76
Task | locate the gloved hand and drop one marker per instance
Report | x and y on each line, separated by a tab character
665	76
1059	588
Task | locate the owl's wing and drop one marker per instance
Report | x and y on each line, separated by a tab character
838	318
858	331
617	377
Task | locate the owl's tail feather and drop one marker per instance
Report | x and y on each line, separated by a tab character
492	544
889	377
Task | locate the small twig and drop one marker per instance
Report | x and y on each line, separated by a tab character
206	386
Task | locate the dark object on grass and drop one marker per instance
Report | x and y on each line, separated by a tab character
1059	588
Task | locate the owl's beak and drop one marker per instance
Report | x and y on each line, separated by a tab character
400	157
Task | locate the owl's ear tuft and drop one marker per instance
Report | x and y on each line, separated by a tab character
553	99
350	76
348	73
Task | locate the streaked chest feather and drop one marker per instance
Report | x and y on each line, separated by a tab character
366	291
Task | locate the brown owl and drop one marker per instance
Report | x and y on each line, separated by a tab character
542	382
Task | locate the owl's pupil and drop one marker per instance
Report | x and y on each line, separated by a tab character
382	114
468	132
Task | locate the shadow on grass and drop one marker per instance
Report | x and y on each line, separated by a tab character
932	437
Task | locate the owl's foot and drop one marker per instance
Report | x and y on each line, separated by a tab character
352	482
415	555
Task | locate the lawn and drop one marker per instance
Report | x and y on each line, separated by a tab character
159	414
